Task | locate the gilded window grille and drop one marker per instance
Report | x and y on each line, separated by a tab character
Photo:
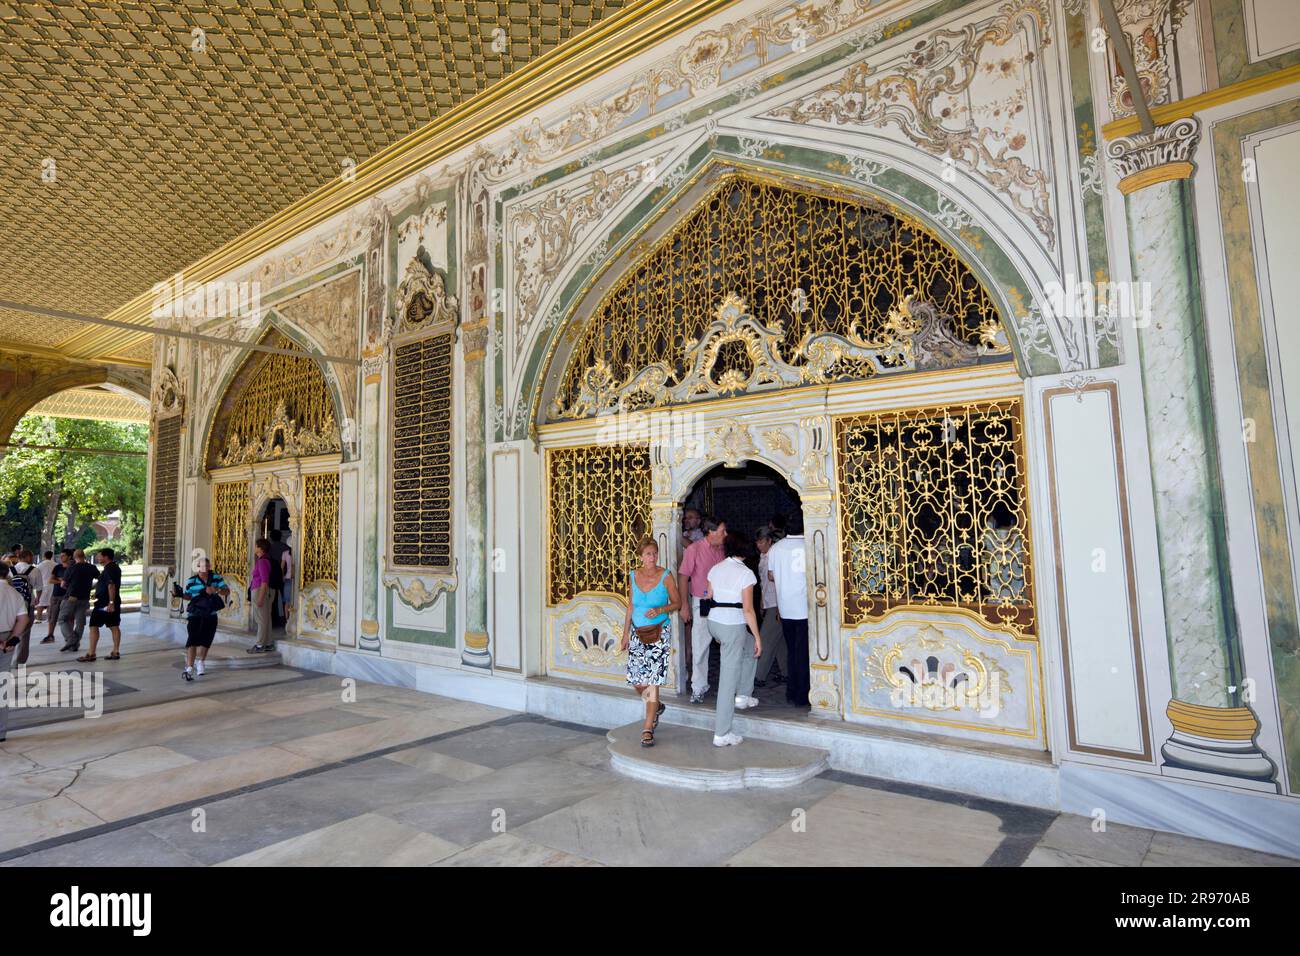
812	262
320	529
230	527
166	487
934	511
421	453
281	408
599	507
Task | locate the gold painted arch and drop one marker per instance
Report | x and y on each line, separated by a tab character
774	283
275	407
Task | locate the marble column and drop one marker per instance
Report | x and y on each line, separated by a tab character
476	652
1213	733
372	370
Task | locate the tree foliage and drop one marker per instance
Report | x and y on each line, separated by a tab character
80	488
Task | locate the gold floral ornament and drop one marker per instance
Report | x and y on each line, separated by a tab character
932	670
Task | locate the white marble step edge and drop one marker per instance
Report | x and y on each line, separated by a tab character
700	778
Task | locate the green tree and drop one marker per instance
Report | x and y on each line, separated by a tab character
76	487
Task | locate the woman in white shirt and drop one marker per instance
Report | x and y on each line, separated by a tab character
733	624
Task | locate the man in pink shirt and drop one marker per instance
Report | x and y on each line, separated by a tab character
693	579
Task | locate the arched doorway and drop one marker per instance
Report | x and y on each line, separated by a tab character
754	502
272	452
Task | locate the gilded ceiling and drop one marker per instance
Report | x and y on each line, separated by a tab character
135	144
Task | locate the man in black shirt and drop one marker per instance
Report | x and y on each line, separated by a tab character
57	595
108	609
77	581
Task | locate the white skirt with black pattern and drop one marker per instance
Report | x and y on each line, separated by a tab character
647	664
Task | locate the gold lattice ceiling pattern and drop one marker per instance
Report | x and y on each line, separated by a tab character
162	154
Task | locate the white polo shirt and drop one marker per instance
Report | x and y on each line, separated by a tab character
786	559
12	606
727	580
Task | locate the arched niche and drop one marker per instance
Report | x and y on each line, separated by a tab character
812	326
273	407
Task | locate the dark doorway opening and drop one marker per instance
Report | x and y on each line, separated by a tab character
274	526
745	499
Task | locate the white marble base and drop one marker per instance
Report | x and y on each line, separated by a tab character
1257	821
685	757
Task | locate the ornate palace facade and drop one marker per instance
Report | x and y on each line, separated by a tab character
1019	354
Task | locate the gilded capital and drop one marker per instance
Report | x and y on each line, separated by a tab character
1164	154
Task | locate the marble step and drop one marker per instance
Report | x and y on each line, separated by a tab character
685	757
236	657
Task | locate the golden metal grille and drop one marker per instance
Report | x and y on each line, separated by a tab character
320	529
166	483
812	262
281	409
422	419
599	507
230	504
934	511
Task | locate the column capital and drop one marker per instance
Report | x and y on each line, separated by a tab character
1146	158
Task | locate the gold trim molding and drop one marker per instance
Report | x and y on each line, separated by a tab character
1203	101
1157	174
1217	723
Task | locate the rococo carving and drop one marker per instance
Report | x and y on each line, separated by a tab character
416	593
740	354
1172	143
423	300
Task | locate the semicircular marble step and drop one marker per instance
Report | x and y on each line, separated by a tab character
685	757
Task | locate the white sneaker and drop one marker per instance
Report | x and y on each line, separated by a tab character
198	668
744	703
730	740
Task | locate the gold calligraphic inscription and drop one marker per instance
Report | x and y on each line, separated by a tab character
230	527
804	263
599	507
422	419
320	528
934	511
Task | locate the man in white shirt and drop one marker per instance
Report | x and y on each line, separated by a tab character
787	564
13	622
47	584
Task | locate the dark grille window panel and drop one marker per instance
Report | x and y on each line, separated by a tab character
166	487
421	453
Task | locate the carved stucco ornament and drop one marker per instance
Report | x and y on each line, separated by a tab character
422	300
168	396
283	439
416	593
738	353
732	444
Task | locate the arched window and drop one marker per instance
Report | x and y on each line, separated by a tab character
832	289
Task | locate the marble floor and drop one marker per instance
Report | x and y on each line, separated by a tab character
275	766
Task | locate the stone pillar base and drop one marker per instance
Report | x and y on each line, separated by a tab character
1217	745
369	636
476	652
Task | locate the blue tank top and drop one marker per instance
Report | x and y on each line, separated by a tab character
642	601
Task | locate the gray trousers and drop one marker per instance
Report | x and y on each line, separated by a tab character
735	670
72	620
769	628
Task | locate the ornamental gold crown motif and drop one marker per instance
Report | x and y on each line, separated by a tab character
739	353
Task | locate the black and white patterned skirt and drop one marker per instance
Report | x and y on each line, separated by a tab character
648	663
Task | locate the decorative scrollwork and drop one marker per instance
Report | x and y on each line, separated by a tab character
416	593
422	299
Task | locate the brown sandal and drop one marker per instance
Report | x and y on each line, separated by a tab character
647	738
659	713
87	659
114	657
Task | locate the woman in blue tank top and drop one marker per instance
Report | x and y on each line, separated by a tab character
652	597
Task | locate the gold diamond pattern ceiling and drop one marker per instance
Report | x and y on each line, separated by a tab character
160	153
